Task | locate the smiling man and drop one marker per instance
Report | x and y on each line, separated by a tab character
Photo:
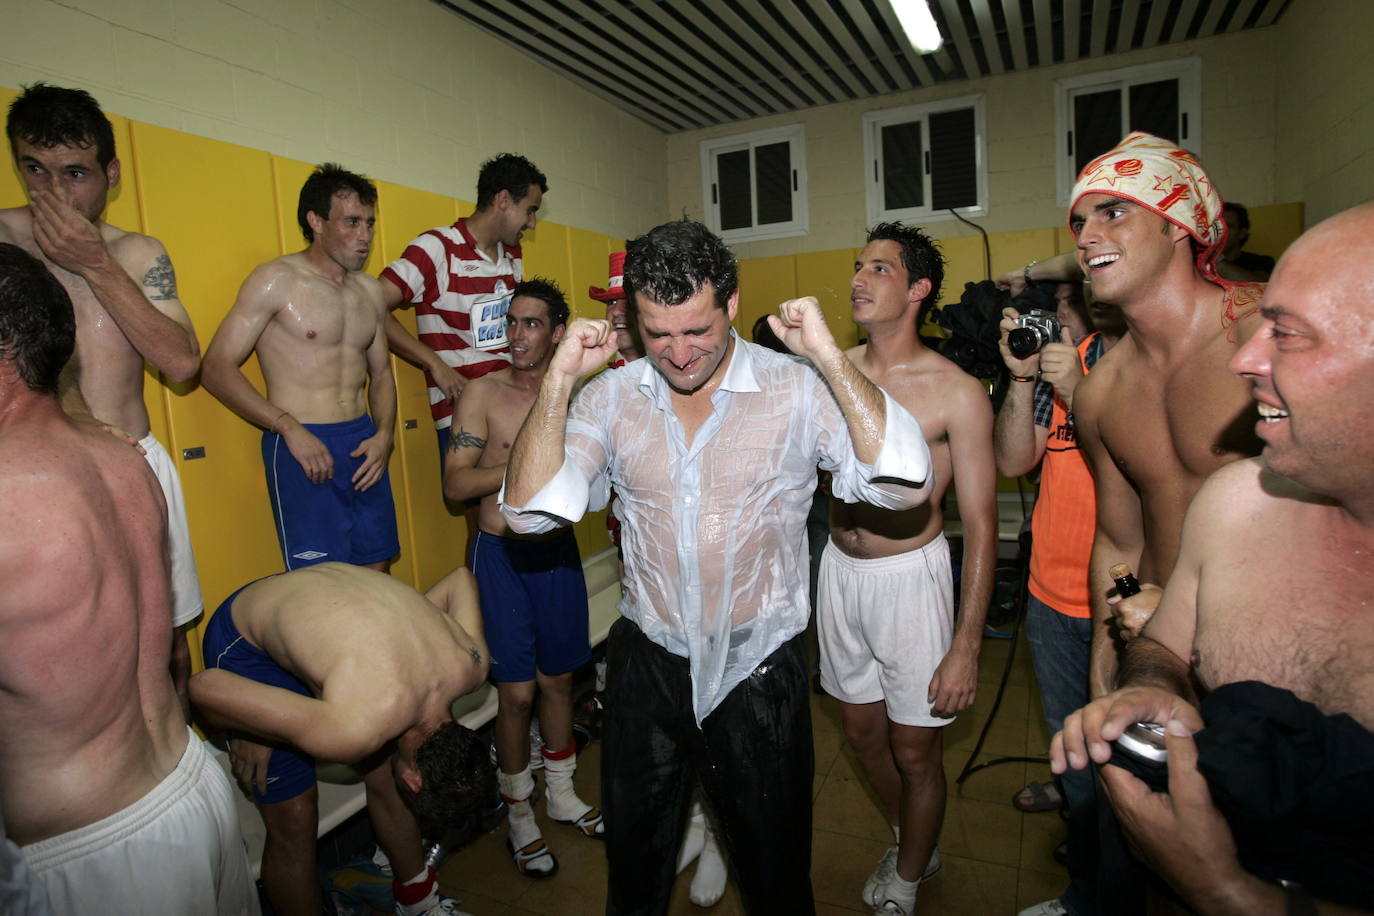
316	323
534	597
712	445
1271	586
1160	412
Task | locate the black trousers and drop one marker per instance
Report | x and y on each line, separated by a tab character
753	757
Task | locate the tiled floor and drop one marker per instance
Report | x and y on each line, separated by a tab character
996	860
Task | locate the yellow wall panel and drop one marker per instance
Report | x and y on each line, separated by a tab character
212	205
589	256
1274	228
763	283
548	257
826	276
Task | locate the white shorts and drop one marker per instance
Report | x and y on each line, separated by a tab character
187	602
177	849
884	625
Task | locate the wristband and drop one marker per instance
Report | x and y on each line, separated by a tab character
1014	378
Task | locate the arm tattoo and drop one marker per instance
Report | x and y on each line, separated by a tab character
476	656
162	278
465	439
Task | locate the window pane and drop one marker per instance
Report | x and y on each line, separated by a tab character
1154	108
1096	125
902	155
736	201
773	164
953	160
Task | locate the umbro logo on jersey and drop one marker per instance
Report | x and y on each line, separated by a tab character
308	555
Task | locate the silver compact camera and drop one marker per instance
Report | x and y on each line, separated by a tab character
1033	330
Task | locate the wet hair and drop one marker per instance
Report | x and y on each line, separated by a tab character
49	116
508	172
671	263
763	335
37	324
1242	214
456	779
547	292
921	258
324	184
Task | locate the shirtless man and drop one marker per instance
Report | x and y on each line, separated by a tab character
317	325
115	803
1271	583
890	650
349	664
534	599
1160	412
124	291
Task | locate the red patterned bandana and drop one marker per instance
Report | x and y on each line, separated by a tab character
1166	179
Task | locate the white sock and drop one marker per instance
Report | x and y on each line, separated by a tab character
693	838
708	884
426	903
901	892
516	789
563	803
897	834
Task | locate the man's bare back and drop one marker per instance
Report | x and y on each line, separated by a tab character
363	641
312	334
88	711
109	368
936	392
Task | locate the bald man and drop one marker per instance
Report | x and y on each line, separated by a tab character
1271	586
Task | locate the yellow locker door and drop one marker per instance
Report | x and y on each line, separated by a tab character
288	175
438	539
547	256
212	205
826	275
763	283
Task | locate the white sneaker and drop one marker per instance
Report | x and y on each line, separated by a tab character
1048	908
887	867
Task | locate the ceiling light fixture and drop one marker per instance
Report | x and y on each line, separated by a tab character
918	24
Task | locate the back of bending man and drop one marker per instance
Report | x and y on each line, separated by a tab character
348	664
113	800
890	650
317	325
533	595
712	445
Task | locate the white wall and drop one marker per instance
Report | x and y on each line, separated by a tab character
1238	87
399	89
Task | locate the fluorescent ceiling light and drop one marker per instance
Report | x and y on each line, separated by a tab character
918	24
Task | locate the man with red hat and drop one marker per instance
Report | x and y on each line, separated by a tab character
627	345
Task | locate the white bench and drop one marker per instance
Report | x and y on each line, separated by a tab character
341	787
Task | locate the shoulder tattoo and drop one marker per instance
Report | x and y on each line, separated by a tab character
162	278
476	656
464	439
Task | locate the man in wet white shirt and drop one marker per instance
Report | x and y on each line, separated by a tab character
712	448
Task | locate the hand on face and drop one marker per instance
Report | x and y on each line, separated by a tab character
65	236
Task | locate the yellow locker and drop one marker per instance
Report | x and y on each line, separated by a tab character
212	205
763	283
438	538
826	275
548	257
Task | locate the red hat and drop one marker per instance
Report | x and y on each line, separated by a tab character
615	286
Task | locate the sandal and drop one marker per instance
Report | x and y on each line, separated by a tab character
528	855
1036	797
590	823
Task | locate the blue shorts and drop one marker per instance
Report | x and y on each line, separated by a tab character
289	772
534	605
330	521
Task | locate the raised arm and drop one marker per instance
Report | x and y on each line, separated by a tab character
1119	536
463	479
955	683
381	401
1019	442
146	309
538	450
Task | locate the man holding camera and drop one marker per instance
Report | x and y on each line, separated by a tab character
1035	426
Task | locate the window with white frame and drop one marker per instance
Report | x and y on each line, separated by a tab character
1094	111
921	161
754	184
